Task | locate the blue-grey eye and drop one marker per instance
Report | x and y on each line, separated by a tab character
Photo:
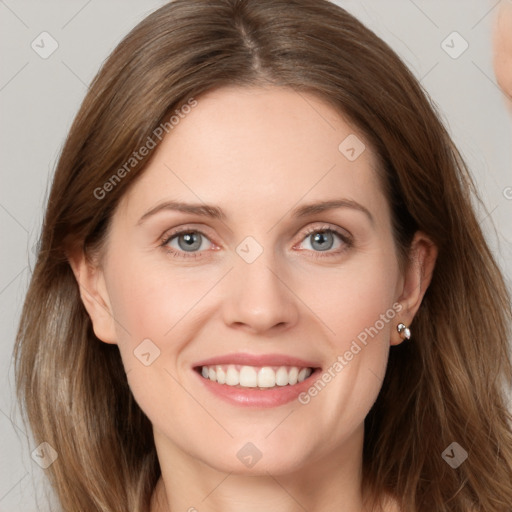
322	240
191	241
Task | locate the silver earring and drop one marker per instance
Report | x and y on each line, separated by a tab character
404	331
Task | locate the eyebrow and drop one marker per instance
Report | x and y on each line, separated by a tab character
214	212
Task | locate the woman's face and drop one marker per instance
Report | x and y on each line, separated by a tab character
252	289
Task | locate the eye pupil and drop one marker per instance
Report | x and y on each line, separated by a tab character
320	237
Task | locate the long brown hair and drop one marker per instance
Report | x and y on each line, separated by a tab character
449	385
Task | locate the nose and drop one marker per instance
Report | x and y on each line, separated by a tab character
259	296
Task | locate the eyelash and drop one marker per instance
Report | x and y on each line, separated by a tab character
348	242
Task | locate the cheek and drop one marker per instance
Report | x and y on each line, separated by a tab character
153	306
357	306
148	299
159	310
351	299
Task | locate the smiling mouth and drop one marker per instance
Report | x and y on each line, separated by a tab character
250	377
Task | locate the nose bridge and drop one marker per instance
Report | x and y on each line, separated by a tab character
258	295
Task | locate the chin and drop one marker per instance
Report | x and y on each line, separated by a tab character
257	458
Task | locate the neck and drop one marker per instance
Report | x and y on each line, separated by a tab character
320	485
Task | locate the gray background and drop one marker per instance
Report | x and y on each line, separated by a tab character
39	98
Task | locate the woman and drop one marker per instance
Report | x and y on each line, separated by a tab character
188	344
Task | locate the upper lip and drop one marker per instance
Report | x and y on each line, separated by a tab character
257	360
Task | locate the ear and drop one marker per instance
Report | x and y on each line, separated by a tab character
94	295
417	277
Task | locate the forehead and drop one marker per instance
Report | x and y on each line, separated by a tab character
254	149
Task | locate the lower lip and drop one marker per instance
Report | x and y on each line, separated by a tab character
255	397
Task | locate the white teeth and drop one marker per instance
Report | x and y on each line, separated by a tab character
292	376
302	374
232	376
251	377
221	375
248	377
282	376
266	378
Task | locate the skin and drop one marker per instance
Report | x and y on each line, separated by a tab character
257	153
502	43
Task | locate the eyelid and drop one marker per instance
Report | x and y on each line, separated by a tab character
327	227
186	228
